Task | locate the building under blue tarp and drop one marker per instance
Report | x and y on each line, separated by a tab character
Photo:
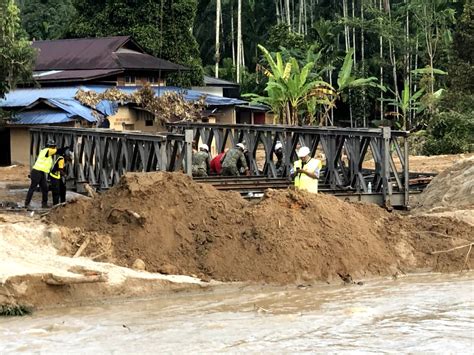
24	102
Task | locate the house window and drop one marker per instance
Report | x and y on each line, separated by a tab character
148	123
129	80
155	81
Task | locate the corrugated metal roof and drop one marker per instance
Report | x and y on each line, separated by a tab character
43	116
210	81
138	61
95	57
77	75
74	108
80	53
25	97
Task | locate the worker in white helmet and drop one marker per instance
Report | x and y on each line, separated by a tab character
201	161
234	158
306	171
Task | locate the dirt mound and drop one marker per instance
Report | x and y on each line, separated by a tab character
452	189
178	226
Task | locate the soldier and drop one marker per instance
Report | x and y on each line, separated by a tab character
232	159
201	161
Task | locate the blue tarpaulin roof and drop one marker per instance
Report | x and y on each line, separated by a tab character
63	98
25	97
44	116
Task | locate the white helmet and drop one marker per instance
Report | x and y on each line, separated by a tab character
278	145
303	151
240	145
204	147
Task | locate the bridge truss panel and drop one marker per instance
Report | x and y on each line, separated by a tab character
343	152
102	157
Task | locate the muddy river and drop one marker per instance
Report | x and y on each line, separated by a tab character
418	313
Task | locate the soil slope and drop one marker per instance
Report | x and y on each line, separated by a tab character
178	226
452	189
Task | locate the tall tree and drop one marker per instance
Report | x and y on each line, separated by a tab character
163	28
46	19
16	54
218	32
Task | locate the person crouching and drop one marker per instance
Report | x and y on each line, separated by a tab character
58	176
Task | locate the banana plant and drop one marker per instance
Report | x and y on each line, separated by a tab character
407	102
345	82
289	87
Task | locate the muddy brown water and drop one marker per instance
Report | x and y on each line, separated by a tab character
419	313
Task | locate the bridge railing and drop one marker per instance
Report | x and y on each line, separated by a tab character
344	151
102	156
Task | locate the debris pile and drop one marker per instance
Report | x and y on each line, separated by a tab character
175	225
452	189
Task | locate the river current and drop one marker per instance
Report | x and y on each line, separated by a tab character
414	314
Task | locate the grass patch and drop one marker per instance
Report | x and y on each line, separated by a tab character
14	310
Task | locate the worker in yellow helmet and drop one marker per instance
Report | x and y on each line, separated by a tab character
39	173
306	171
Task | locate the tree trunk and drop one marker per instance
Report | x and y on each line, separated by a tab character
300	17
416	67
288	15
393	61
346	27
218	22
277	11
362	59
232	30
239	38
354	35
381	67
407	61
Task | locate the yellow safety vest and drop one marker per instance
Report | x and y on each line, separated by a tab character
303	181
57	174
44	163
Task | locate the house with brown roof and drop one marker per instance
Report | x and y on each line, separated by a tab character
116	61
64	66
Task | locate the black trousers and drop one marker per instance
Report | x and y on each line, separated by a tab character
58	188
38	178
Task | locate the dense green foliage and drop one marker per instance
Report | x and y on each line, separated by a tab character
419	52
451	130
450	133
161	27
46	19
16	54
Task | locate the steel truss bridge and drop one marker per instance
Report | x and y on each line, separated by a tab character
102	156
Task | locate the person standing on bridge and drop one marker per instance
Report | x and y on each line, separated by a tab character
279	165
201	161
58	175
306	171
232	159
39	173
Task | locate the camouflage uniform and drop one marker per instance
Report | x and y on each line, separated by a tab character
200	163
231	160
